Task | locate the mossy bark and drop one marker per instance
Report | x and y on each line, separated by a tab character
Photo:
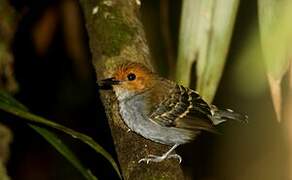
7	27
5	141
116	35
7	80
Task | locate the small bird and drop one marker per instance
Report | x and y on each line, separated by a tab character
161	110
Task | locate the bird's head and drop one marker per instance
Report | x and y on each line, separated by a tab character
129	79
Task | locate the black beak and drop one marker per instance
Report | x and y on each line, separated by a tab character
108	82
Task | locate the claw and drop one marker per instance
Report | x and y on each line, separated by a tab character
155	158
147	160
176	156
167	155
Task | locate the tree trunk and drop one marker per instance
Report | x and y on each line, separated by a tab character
116	35
5	141
7	80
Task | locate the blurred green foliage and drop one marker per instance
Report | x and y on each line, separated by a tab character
205	33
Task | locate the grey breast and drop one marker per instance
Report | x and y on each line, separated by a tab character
134	114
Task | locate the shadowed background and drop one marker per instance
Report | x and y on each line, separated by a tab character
53	68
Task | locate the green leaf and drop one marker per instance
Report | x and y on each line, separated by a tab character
9	100
64	150
191	32
205	33
276	36
12	106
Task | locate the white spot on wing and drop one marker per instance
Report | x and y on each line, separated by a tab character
172	104
229	110
164	114
184	114
187	110
212	112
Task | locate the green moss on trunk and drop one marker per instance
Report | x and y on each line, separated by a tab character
116	35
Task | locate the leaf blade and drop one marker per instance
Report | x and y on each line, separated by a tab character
206	40
64	150
275	35
12	106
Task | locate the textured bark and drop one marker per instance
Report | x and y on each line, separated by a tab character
7	80
116	35
7	27
5	141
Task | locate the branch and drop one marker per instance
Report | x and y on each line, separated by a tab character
5	140
116	35
7	80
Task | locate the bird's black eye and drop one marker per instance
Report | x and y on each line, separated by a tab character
131	77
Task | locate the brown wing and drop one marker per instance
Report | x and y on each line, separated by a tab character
183	108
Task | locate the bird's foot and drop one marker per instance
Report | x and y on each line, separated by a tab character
155	158
175	156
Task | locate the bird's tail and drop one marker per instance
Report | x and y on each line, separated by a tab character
222	115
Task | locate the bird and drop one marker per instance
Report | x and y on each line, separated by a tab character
161	110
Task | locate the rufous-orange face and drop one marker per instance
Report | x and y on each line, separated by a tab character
133	77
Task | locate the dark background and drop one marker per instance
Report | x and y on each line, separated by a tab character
59	84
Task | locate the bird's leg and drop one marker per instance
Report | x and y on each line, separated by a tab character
167	155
